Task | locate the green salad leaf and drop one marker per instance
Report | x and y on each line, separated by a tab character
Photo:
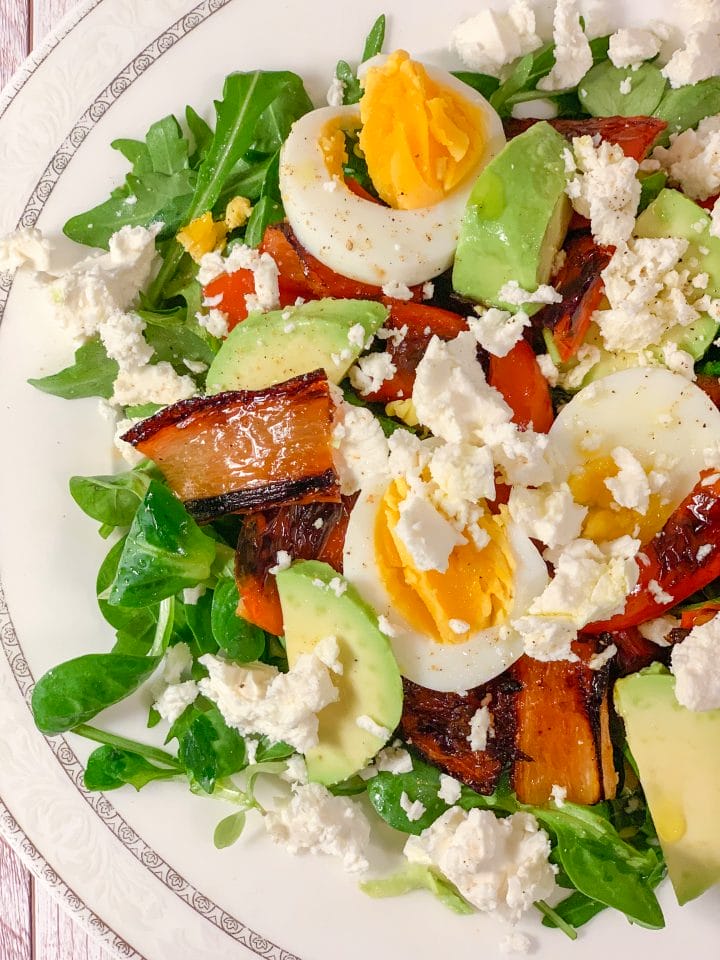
92	375
112	500
237	638
208	749
483	83
416	876
601	91
684	107
109	768
352	90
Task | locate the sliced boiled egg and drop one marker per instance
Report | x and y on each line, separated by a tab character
447	629
426	136
649	415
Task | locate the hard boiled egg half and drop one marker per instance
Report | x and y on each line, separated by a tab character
447	629
666	424
425	136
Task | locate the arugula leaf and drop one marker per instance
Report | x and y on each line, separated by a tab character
202	136
274	124
600	93
92	375
165	551
269	208
109	768
112	500
75	691
176	336
416	876
375	39
685	107
352	90
243	642
158	188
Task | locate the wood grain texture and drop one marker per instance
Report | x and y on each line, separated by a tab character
15	907
46	14
14	36
56	936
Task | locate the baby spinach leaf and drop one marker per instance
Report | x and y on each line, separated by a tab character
484	84
208	748
165	551
685	107
75	691
241	641
386	790
113	499
109	768
601	95
416	876
352	90
274	124
92	375
228	831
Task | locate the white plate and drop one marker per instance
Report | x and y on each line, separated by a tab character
141	870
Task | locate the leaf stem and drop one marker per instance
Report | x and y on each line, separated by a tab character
547	911
122	743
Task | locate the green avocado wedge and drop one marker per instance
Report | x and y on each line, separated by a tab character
269	348
676	751
318	603
515	220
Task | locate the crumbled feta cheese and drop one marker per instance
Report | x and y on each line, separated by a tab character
547	638
328	652
356	336
393	760
598	660
459	626
692	161
258	699
678	361
548	514
397	290
426	534
512	293
586	357
296	769
606	190
490	39
519	454
315	821
696	667
330	186
703	551
481	727
213	301
699	58
282	562
499	865
360	448
336	93
175	699
629	47
497	331
215	322
715	221
450	790
659	629
515	942
659	595
630	486
414	809
374	729
463	475
338	586
319	523
548	369
558	795
126	450
428	290
370	372
625	86
195	366
153	383
573	56
26	247
384	626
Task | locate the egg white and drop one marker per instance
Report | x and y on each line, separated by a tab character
445	667
660	417
363	240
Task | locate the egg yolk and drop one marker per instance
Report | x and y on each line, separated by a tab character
477	586
420	139
605	520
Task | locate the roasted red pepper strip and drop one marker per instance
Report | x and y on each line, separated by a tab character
518	378
698	615
233	288
634	134
581	286
672	569
246	450
423	323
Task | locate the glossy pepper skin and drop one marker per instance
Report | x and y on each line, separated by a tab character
671	568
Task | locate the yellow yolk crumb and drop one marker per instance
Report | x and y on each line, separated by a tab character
404	410
605	520
476	588
202	236
420	139
237	213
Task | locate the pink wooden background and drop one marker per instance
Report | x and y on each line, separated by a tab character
32	926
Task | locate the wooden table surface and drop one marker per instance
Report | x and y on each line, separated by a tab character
32	926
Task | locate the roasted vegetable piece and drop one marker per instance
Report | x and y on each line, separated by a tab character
519	379
581	287
310	531
634	134
423	323
438	724
696	615
710	386
246	450
634	652
563	734
669	567
233	288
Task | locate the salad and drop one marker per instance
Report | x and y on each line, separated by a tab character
421	517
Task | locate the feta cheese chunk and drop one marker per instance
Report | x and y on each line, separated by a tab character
548	514
700	56
500	866
450	789
336	93
692	161
258	699
414	809
314	821
696	667
630	46
573	56
497	331
26	247
630	487
480	729
606	190
175	698
370	372
427	535
512	293
490	39
360	448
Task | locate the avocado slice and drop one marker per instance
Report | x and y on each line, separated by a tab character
678	760
370	684
515	220
270	348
